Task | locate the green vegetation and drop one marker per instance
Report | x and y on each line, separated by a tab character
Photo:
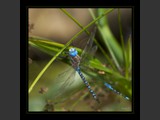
112	65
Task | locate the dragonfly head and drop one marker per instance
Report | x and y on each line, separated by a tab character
73	52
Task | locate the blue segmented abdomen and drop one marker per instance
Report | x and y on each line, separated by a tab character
87	84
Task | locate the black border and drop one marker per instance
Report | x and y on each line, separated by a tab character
24	54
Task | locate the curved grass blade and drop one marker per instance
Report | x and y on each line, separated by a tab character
96	42
68	43
47	46
109	40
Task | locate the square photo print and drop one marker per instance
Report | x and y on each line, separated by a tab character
80	59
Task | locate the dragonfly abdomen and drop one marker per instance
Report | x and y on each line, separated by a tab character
87	84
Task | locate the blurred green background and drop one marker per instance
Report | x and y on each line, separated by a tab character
51	28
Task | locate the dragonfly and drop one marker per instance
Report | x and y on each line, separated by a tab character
76	60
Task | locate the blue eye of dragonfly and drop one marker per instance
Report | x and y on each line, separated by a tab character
73	52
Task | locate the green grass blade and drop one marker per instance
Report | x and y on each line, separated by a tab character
129	53
105	69
109	40
125	64
47	46
96	42
60	52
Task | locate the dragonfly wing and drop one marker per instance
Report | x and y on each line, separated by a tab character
93	50
88	47
61	77
65	80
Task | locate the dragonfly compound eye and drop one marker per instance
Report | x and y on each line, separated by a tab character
73	52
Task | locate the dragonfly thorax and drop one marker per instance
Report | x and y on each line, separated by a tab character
73	52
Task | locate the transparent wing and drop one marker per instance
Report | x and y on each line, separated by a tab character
88	48
65	79
88	56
